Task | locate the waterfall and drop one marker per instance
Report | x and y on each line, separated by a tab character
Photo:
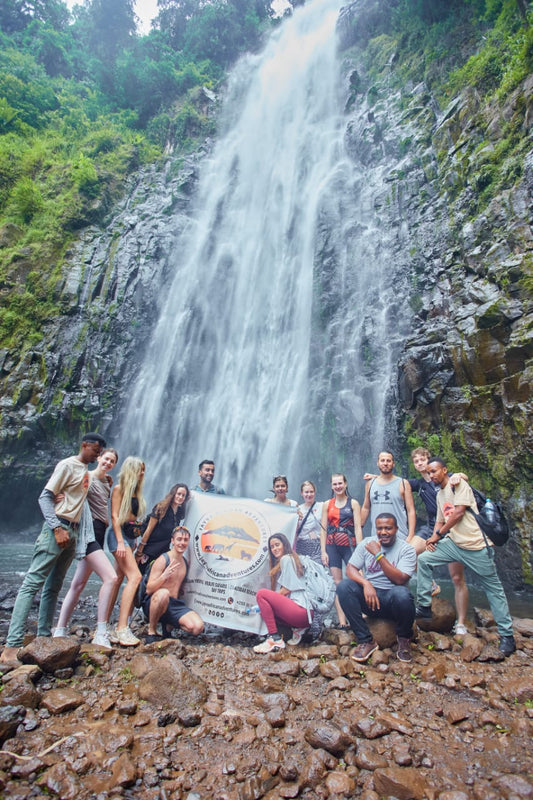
275	348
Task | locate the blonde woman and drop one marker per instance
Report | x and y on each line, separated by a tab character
127	511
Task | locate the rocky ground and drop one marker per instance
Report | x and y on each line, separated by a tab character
207	718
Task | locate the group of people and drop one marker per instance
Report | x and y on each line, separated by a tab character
150	551
379	568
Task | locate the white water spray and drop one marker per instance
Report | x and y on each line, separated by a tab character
262	355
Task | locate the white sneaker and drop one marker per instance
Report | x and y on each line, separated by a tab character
459	630
112	634
60	632
102	640
126	637
269	645
297	634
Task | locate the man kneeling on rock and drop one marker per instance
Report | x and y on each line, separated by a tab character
162	602
378	573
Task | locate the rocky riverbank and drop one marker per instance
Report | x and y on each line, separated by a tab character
207	718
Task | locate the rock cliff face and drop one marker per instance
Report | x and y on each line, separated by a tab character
76	378
465	373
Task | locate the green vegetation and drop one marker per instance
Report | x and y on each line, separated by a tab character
84	100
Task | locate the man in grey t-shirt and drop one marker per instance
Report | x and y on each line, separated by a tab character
378	573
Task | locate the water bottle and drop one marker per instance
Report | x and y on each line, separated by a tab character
489	510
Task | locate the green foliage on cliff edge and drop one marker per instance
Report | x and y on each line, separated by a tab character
84	101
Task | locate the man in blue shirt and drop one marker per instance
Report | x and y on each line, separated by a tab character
206	471
376	585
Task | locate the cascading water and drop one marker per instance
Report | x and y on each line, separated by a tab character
274	349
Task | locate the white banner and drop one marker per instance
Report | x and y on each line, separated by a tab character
228	556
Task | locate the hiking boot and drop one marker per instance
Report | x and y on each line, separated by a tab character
363	651
459	629
297	634
101	640
60	632
127	638
404	649
435	589
507	645
269	645
423	612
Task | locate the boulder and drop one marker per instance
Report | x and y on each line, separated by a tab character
50	654
170	685
443	617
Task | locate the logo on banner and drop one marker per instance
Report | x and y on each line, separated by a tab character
231	544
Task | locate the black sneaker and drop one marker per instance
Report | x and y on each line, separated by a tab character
423	612
507	645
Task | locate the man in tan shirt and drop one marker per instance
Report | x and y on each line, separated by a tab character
56	544
458	537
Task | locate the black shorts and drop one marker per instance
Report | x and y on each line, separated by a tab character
175	611
99	537
337	554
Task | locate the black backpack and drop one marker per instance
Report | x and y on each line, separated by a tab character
492	521
140	594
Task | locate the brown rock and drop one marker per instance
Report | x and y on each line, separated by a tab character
472	647
268	683
289	790
323	650
288	666
31	671
124	771
276	717
383	632
20	691
50	654
490	652
443	617
127	707
403	783
276	699
367	757
514	786
401	755
395	722
372	728
58	701
171	685
453	794
342	684
315	767
326	736
311	667
10	719
484	618
339	783
523	626
455	712
258	785
434	672
141	664
337	668
517	688
61	782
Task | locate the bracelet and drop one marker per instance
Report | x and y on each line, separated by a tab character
379	556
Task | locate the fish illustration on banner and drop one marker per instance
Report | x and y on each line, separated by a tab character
228	556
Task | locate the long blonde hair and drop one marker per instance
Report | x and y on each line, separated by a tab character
130	483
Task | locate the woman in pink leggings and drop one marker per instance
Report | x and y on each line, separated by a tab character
287	601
